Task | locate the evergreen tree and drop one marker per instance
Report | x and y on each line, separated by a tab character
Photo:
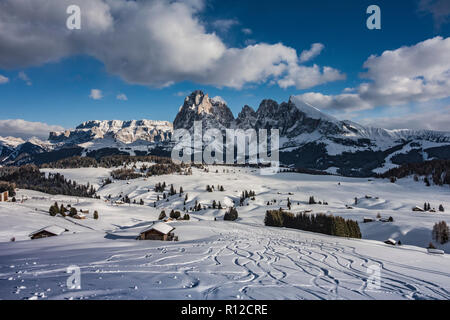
231	215
73	212
53	210
96	215
162	215
175	214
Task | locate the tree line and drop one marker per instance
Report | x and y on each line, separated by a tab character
319	223
438	170
29	177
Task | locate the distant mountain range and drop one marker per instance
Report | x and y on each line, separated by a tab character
308	138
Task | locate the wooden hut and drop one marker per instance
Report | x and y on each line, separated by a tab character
4	196
50	231
158	231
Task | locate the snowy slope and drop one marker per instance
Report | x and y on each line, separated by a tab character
226	260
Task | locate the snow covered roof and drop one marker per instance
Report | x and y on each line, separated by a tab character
163	228
56	230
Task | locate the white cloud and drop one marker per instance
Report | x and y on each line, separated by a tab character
224	25
303	77
247	31
26	129
316	49
3	79
155	43
122	96
430	120
96	94
24	77
417	73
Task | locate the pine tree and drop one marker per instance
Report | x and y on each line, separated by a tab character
162	215
220	206
231	215
53	210
441	208
95	215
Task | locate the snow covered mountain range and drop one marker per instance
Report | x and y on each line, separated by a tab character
308	138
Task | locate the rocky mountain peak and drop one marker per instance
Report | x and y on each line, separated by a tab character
198	106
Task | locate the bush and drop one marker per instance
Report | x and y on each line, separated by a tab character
320	223
231	215
95	215
186	217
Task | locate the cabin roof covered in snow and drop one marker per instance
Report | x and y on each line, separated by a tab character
56	230
163	228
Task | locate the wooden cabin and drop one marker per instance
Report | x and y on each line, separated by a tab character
158	231
79	216
391	242
417	209
367	220
50	231
4	196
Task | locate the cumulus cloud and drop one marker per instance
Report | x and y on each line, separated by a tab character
122	96
96	94
411	74
314	51
154	43
26	129
24	77
303	77
3	79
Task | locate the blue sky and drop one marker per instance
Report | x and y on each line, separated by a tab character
55	88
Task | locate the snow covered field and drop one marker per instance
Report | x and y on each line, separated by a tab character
227	260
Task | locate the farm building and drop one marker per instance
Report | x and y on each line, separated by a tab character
367	220
158	231
50	231
417	209
4	196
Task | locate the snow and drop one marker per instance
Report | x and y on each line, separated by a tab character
227	260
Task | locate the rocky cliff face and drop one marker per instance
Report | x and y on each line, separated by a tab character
122	131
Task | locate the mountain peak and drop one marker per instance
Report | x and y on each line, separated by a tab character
198	106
